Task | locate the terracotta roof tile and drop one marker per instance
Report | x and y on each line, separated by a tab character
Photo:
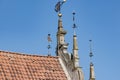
15	66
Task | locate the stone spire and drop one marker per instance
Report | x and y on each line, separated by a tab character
92	73
75	46
61	32
61	44
75	52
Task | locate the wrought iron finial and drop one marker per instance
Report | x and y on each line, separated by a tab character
74	25
49	38
91	54
49	46
73	15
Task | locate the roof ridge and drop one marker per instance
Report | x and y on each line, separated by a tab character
23	54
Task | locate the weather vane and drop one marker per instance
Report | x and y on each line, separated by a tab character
58	6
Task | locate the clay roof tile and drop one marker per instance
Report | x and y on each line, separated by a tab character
16	66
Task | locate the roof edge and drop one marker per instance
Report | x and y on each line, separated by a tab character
64	69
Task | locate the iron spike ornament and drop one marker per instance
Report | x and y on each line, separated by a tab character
74	25
49	38
58	5
73	16
91	54
49	46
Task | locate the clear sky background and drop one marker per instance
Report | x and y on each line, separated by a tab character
24	25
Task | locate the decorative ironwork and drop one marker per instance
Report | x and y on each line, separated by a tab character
58	5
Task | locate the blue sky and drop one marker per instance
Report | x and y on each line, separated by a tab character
24	25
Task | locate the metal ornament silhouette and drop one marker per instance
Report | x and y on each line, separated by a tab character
74	25
49	46
58	5
91	54
49	38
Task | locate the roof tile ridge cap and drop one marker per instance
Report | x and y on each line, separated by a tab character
18	53
25	54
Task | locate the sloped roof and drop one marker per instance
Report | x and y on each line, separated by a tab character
15	66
